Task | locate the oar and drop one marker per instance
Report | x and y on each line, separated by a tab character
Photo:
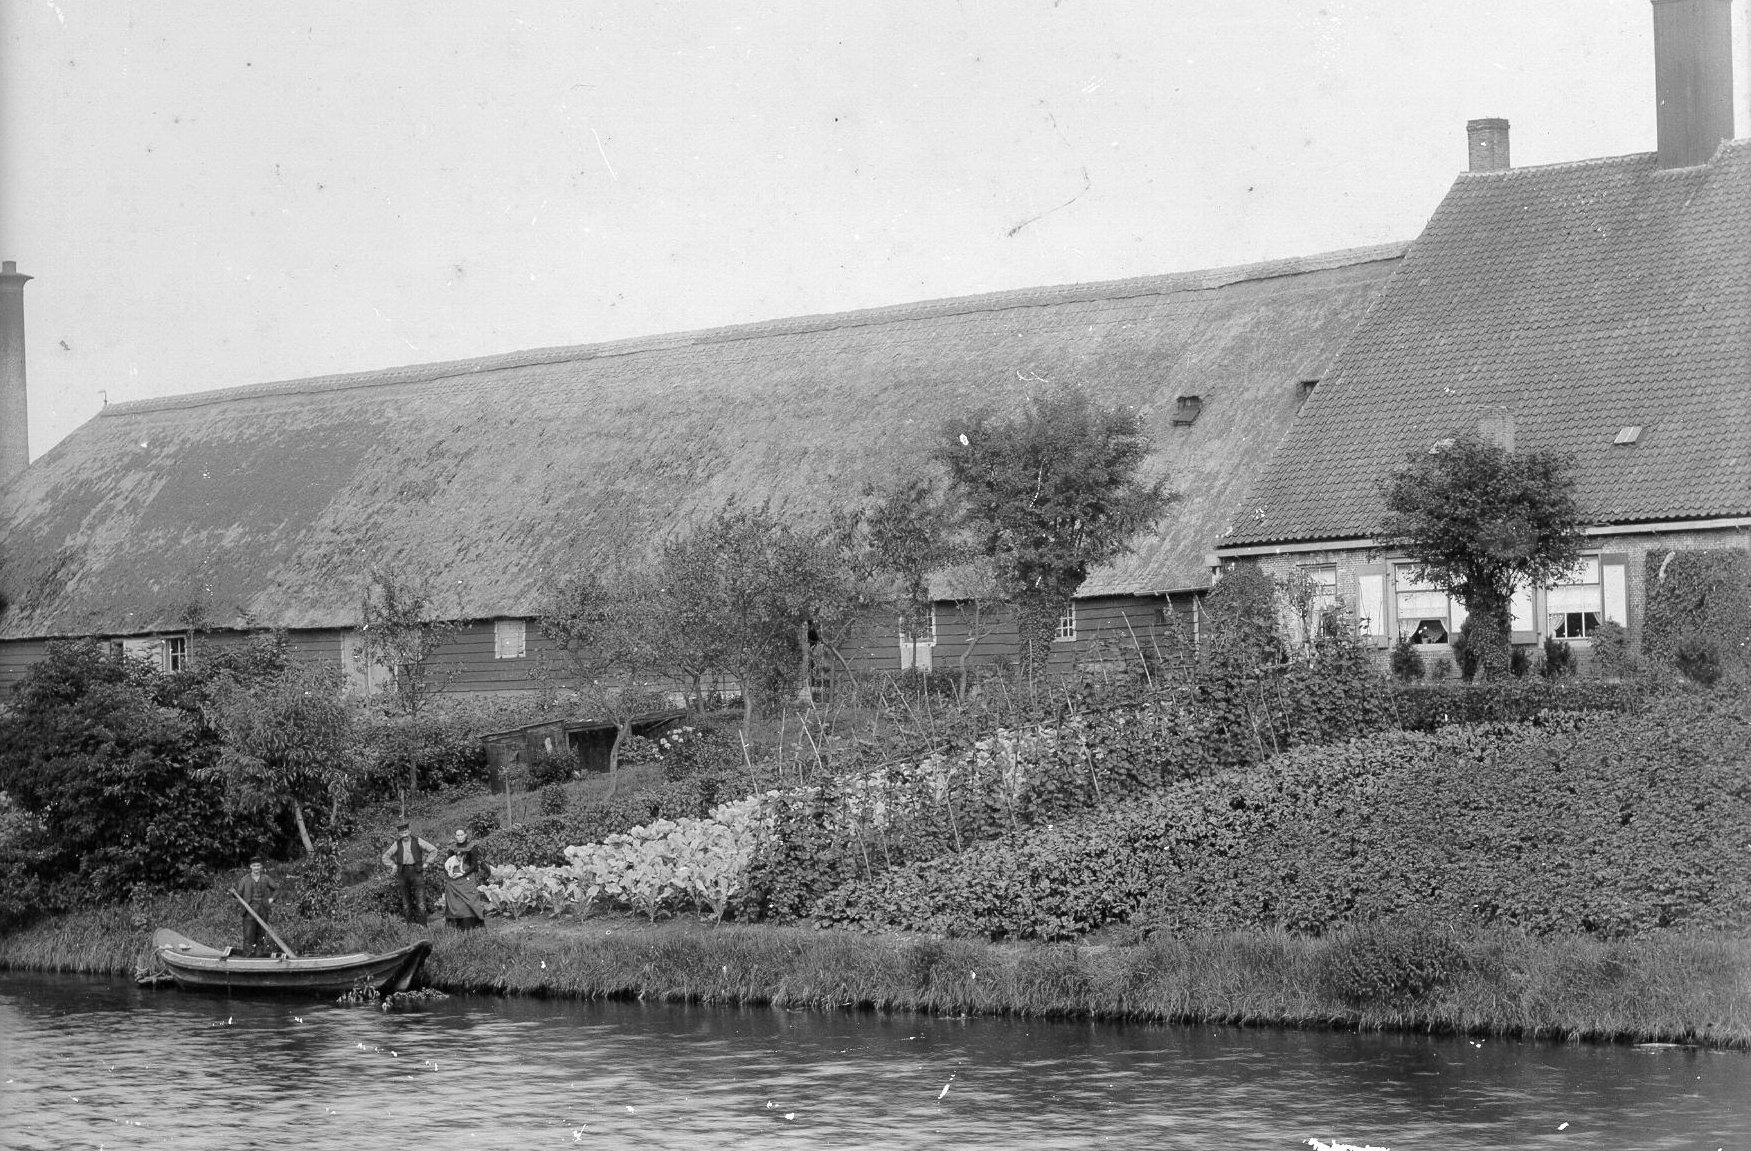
272	934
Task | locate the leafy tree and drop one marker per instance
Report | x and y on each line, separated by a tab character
1481	521
614	630
404	629
1049	495
107	757
744	589
286	738
891	546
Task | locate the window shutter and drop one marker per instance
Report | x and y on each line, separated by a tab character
1614	584
1371	603
508	636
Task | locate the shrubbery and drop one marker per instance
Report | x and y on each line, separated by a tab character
114	763
1427	706
1393	963
1609	825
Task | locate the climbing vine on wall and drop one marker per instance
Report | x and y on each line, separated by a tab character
1699	612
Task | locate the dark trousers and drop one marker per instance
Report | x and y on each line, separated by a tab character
412	882
254	942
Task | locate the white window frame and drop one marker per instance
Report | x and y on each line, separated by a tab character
1601	590
1066	632
175	654
1404	585
917	651
1324	577
510	638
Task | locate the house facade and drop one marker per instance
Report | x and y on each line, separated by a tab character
1598	309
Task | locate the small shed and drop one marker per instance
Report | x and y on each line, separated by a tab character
589	740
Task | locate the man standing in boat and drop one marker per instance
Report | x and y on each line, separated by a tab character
408	857
256	889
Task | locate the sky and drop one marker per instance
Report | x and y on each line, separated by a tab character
212	194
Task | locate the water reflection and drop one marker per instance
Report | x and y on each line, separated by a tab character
96	1063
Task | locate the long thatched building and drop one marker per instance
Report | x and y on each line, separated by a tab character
267	505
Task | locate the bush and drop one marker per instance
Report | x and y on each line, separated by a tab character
1395	963
1613	657
553	799
1426	707
114	763
483	823
1407	665
551	767
1559	659
430	753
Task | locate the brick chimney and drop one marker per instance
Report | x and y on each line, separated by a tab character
1693	78
14	434
1488	144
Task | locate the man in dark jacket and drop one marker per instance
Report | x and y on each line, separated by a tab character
256	889
408	857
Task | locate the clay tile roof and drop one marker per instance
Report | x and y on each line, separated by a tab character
269	502
1577	298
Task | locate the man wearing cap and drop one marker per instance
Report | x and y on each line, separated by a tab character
257	890
407	857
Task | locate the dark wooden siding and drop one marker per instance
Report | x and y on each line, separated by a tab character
1118	627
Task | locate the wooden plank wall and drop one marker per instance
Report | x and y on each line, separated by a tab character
1117	625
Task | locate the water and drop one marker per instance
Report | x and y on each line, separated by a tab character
100	1063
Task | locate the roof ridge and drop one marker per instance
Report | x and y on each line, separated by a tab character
1625	160
1203	279
1590	162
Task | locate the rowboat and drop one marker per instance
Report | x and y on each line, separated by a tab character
196	966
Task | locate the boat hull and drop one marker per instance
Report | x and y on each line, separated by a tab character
196	966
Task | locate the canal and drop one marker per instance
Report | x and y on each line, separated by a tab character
101	1063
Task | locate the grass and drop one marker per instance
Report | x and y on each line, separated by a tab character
1673	988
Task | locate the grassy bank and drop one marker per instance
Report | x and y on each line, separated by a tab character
1670	988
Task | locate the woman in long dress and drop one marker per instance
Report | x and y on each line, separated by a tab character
464	909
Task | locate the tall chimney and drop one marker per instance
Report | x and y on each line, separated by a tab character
1693	78
14	433
1488	144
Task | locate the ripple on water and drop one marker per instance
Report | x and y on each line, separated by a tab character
96	1063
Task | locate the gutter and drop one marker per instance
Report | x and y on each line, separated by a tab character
1368	543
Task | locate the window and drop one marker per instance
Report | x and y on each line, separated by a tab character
176	653
508	638
1426	614
915	649
1575	609
1067	624
1315	601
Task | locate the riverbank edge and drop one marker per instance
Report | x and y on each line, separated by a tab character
1689	989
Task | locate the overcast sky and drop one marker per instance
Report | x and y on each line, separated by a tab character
212	194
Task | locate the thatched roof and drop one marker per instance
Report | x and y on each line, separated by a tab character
268	503
1580	300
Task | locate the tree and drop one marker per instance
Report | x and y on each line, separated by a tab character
743	590
404	630
1049	495
108	757
613	630
1481	521
286	737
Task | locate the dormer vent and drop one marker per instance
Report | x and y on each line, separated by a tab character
1304	388
1186	409
1627	436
